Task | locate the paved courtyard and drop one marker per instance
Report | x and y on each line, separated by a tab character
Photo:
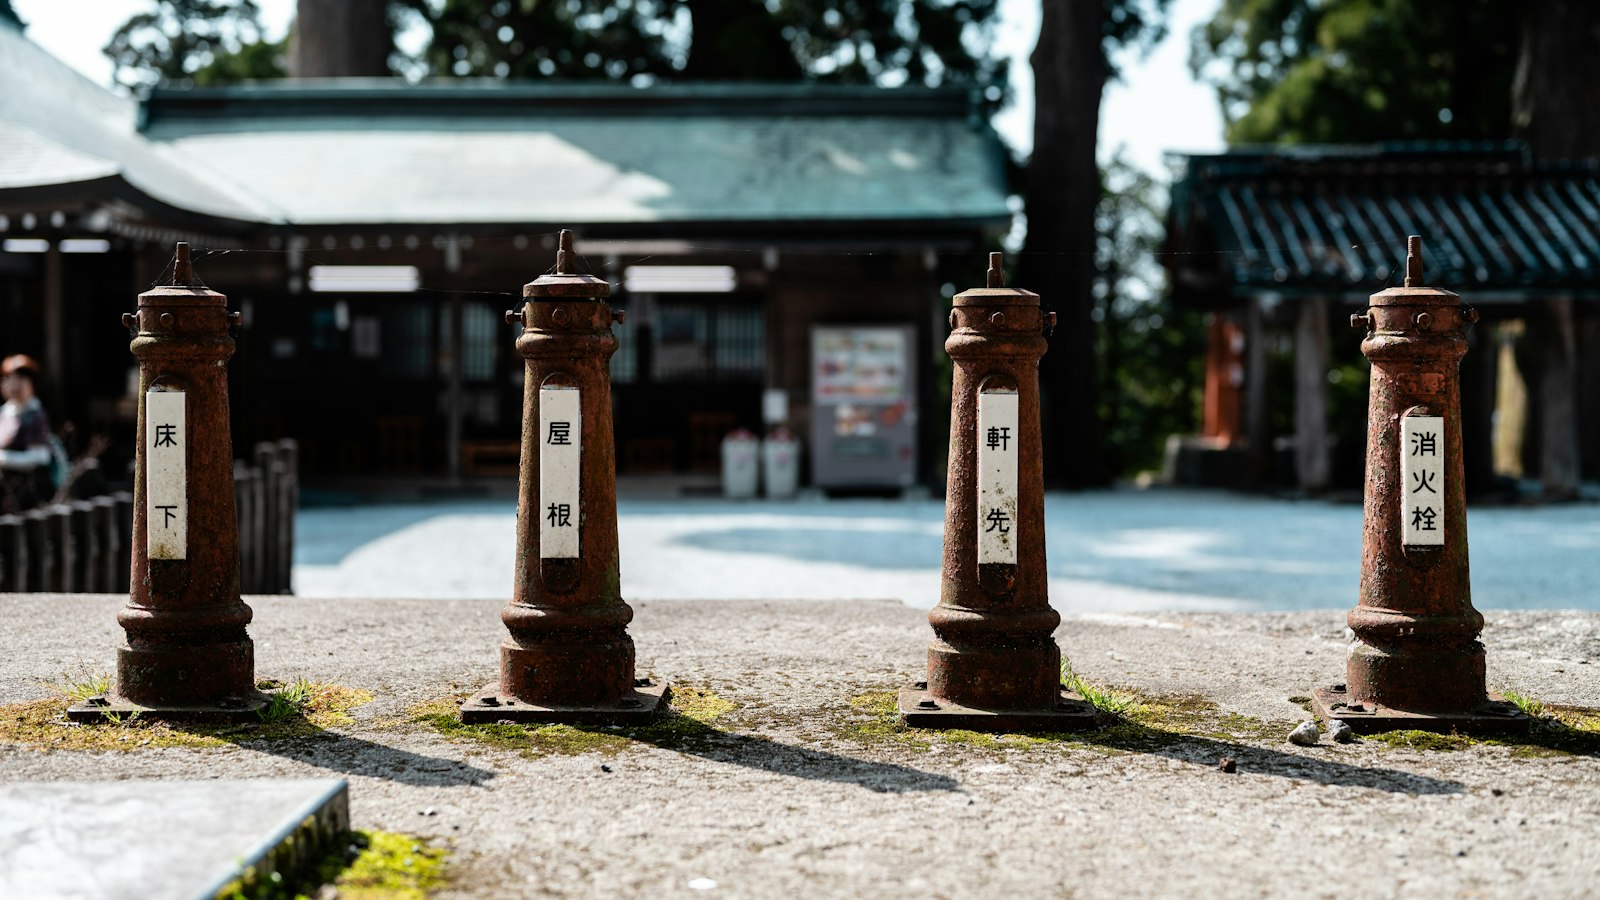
1113	551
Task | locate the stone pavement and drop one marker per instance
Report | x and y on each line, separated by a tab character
152	840
802	789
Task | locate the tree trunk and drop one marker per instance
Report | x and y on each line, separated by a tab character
1311	457
1556	108
1069	71
348	38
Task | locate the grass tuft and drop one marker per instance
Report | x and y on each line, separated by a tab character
1113	703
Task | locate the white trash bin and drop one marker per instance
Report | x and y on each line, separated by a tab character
780	464
740	465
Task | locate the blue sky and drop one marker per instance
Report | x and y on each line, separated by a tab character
1155	107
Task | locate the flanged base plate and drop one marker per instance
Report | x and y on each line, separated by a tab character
1494	716
647	702
111	708
920	709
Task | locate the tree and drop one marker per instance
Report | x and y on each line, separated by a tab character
1149	353
1343	71
350	38
864	42
1070	66
193	41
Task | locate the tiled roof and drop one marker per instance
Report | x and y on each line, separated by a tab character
59	129
1337	217
365	151
372	152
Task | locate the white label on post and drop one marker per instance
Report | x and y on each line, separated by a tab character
166	475
1422	480
560	458
997	477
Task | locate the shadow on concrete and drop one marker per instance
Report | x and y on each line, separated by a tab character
689	735
1121	734
354	756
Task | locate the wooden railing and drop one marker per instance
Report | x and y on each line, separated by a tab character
84	545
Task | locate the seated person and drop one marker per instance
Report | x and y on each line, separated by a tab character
24	438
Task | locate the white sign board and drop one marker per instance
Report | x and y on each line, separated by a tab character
997	477
560	459
166	475
1422	480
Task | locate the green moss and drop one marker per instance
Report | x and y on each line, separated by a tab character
1554	731
369	865
1423	740
391	867
1142	722
688	721
311	708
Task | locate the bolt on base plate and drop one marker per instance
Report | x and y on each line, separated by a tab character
1496	715
110	708
644	705
919	709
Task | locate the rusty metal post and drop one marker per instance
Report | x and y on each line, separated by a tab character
994	664
568	657
1417	662
187	653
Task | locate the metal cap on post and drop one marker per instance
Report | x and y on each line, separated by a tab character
187	653
994	664
568	657
1417	662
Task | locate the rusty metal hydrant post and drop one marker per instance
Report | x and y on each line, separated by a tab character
187	654
568	657
1417	662
994	664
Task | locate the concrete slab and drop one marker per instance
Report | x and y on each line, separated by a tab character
150	840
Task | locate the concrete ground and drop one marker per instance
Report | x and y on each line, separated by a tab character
1111	551
800	792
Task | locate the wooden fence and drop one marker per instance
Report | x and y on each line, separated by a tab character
84	545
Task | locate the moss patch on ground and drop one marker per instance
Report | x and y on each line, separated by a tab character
1555	731
369	865
1130	720
687	722
298	709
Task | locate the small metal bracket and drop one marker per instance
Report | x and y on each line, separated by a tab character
1494	716
643	705
920	709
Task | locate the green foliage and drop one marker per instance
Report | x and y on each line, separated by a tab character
1107	701
90	686
1150	353
289	701
193	41
867	42
1336	71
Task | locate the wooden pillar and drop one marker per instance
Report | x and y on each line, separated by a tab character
1223	410
1311	452
54	324
1555	341
1259	437
1479	387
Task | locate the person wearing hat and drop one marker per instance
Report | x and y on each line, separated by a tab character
25	455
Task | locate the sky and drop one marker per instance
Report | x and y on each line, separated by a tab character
1155	107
